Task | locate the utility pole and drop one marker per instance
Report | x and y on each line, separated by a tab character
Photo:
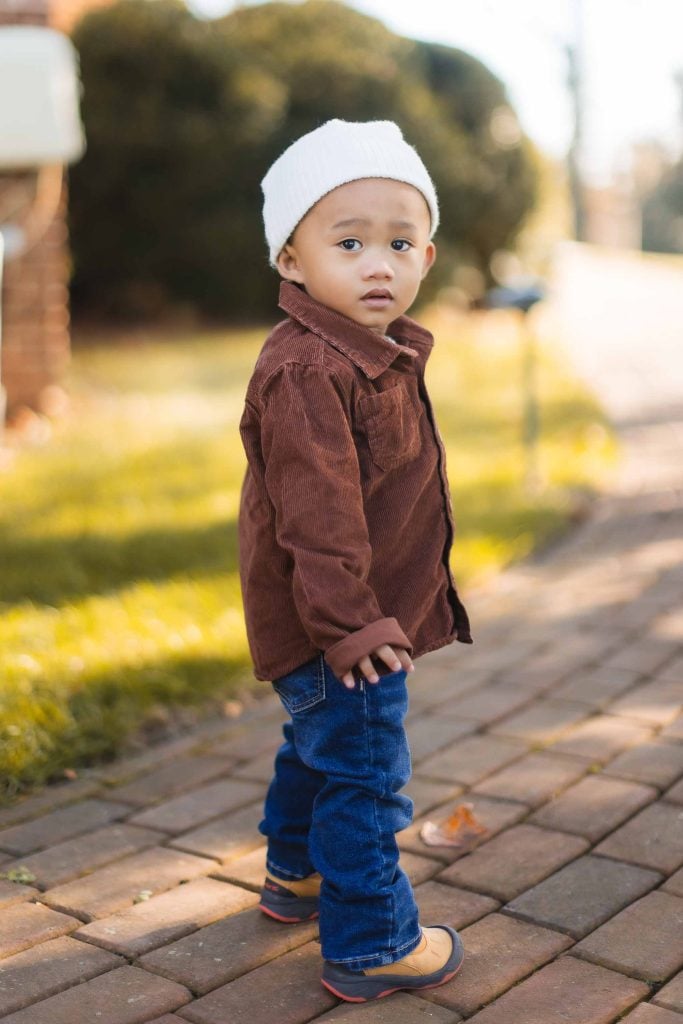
574	53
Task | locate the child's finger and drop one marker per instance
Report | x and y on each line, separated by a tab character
368	670
348	680
406	661
389	657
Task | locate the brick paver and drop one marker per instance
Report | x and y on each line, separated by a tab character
645	653
286	990
48	968
125	769
596	687
222	951
185	812
167	917
169	1018
646	1013
671	995
654	838
247	870
124	996
533	779
674	884
60	825
428	793
594	806
643	941
673	731
67	860
499	951
487	704
14	892
561	725
26	924
430	733
397	1009
230	835
171	779
494	815
583	894
672	670
658	702
445	904
471	759
656	764
602	737
252	739
568	991
49	799
111	888
675	794
257	769
542	722
514	861
418	869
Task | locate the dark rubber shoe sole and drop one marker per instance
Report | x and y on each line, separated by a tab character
284	905
356	987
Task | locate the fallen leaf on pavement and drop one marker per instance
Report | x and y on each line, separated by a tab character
461	828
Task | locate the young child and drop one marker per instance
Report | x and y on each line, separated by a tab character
345	528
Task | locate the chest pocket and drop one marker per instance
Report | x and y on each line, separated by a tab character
391	420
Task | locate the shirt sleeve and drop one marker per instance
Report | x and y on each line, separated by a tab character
312	476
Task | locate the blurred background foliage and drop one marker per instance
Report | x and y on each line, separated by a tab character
184	116
663	213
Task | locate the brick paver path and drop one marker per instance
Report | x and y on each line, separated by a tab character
561	724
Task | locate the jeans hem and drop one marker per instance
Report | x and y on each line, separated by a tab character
358	963
284	874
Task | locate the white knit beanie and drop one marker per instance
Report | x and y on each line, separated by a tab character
333	154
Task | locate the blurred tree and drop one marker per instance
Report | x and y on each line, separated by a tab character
485	170
663	213
183	118
171	113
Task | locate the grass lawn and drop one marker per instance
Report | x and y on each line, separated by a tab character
120	608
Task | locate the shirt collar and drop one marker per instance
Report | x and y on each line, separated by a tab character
369	351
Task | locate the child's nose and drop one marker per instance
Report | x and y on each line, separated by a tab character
378	268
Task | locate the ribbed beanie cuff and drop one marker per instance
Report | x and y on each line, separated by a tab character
332	155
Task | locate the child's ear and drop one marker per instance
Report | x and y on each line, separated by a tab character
288	264
429	257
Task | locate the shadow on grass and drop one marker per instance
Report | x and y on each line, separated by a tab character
115	713
57	570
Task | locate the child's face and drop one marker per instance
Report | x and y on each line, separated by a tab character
363	250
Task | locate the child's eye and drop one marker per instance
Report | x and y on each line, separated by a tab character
350	244
401	245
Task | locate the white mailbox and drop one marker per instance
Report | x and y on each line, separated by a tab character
39	94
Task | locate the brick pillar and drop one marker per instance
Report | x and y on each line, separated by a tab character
35	306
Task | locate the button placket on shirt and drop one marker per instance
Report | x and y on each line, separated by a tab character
444	484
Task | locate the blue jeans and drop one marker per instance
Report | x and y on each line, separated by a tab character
334	806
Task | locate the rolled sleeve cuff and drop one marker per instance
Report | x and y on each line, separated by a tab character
346	653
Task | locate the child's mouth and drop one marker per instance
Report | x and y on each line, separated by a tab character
378	298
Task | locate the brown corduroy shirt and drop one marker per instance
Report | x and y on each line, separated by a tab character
345	520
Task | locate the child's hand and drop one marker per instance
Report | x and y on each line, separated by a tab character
395	657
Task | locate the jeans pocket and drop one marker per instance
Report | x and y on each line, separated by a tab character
303	687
